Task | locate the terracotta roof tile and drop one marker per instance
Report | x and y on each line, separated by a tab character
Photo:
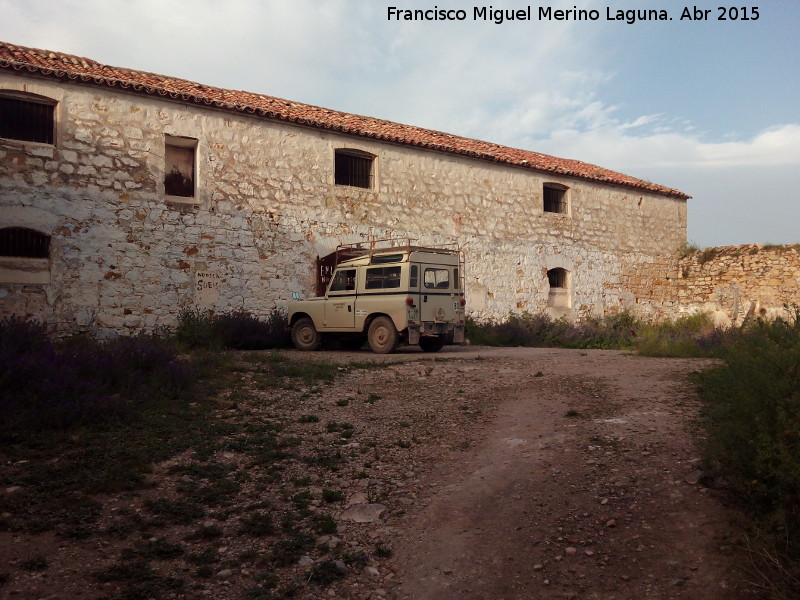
84	70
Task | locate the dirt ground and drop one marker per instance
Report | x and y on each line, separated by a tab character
585	484
488	474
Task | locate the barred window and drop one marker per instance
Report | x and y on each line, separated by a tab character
557	278
21	242
27	119
353	168
555	198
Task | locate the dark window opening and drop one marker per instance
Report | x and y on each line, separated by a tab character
381	278
413	277
555	199
344	281
325	268
179	170
557	278
353	169
386	258
27	121
20	242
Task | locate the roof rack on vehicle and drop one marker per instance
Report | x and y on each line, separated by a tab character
368	248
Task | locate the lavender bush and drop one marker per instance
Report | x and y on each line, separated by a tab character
46	384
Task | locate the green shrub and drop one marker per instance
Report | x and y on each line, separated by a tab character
687	336
236	330
752	418
539	330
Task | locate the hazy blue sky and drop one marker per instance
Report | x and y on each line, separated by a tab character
709	107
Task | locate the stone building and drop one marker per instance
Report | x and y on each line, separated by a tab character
126	196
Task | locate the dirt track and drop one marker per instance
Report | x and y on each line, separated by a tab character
584	485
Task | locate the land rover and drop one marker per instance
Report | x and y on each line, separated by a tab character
386	296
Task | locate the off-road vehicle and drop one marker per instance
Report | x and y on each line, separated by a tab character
386	294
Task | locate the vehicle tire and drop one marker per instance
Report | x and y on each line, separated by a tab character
305	336
352	343
432	343
382	336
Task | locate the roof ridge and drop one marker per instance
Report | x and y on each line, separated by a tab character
60	65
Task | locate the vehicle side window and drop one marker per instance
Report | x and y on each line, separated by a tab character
437	279
379	278
343	280
413	277
455	278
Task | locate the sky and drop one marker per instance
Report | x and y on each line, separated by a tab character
710	107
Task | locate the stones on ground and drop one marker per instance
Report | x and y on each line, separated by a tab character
694	477
358	498
340	566
570	551
364	513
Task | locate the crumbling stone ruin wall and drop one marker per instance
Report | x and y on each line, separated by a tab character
739	283
125	256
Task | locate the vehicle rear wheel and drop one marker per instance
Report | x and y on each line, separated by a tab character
382	336
305	336
432	343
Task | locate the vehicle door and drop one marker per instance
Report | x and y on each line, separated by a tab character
437	293
340	300
380	292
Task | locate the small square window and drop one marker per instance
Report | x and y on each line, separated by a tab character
555	198
179	167
28	120
353	168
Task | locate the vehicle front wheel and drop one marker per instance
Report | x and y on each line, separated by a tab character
305	336
432	343
382	336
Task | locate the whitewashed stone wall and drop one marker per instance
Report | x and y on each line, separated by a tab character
124	258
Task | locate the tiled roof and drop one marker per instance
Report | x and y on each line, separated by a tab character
83	70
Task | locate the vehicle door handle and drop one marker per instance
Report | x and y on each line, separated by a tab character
424	298
349	308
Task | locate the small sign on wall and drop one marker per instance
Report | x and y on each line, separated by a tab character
206	288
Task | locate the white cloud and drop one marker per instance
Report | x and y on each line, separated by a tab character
777	146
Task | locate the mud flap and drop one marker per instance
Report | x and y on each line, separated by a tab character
413	334
458	335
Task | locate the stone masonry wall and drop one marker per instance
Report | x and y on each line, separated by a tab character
126	258
737	283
